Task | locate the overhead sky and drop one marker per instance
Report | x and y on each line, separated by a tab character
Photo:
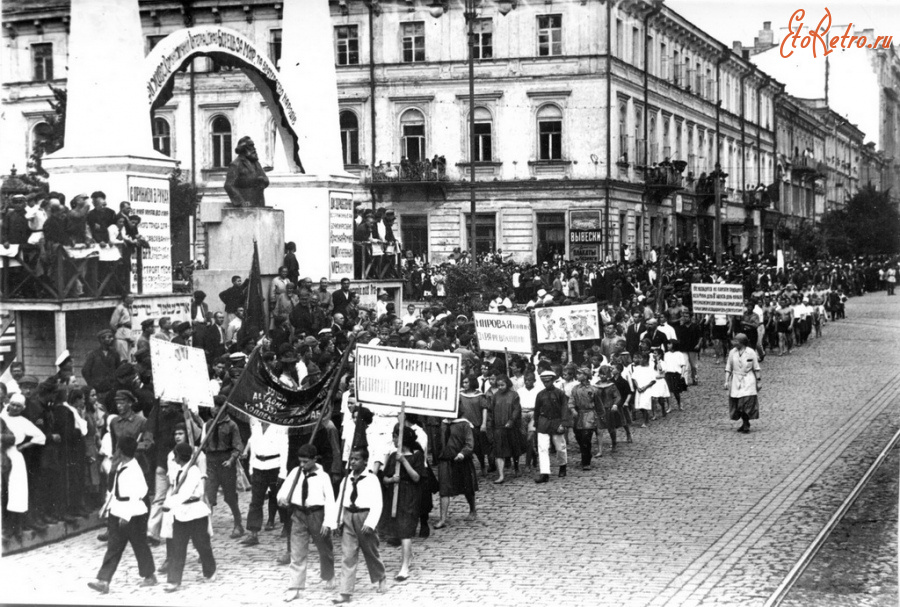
728	21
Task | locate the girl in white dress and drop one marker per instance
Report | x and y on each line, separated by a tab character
643	378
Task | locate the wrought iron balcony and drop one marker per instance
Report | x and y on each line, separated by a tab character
425	171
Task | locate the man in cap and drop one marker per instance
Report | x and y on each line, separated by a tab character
143	342
306	317
185	332
307	492
127	522
223	450
99	370
552	420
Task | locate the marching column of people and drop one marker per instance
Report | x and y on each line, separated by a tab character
112	438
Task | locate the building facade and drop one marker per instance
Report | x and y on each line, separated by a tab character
597	124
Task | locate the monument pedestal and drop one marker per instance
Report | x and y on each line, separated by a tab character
230	248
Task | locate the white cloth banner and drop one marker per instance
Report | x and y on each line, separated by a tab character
562	323
427	382
717	299
180	373
499	332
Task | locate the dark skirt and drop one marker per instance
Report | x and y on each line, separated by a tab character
675	382
409	504
748	405
457	477
720	331
619	418
506	442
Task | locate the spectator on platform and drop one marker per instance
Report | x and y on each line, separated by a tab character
100	218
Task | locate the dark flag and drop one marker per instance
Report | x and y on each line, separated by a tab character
254	310
259	394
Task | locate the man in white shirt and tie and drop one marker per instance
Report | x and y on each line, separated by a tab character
127	519
360	503
307	491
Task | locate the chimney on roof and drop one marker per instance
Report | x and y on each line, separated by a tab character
737	47
746	53
766	35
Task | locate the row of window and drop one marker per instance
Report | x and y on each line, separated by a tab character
413	144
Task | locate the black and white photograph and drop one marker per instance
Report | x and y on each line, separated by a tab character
281	280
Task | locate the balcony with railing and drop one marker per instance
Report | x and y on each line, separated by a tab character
760	197
805	165
409	172
663	179
59	273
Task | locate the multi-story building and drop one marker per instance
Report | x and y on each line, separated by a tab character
597	124
858	83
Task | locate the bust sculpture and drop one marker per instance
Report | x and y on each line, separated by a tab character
246	180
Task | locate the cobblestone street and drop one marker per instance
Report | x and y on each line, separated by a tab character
691	513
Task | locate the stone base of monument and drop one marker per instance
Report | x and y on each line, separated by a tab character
230	232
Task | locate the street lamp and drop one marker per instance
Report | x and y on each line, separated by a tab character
436	9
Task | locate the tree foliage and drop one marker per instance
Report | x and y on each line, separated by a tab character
869	225
470	288
183	199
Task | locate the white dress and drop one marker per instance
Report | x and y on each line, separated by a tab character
641	376
18	474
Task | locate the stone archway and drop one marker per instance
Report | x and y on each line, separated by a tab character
231	48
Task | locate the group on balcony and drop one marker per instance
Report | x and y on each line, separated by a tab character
665	173
375	245
50	250
411	170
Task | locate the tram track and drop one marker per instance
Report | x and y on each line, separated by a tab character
782	592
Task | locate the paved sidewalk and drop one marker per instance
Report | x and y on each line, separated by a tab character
691	513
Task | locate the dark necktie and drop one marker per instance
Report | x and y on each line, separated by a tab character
354	494
116	482
304	488
178	477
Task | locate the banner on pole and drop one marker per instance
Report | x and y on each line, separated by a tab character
717	299
427	382
562	323
499	332
180	373
259	394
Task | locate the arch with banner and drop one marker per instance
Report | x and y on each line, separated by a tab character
233	49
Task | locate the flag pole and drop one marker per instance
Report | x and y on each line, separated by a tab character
329	398
215	421
397	464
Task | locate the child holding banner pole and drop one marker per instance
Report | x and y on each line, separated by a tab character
405	469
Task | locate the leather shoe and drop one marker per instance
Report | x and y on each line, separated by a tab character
103	537
172	587
270	526
544	478
251	540
237	532
164	568
284	559
149	581
562	472
99	586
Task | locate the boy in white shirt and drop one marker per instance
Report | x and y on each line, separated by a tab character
308	493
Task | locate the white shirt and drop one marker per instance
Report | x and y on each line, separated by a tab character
368	491
269	447
409	319
187	504
527	398
319	493
79	421
233	327
126	500
669	331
